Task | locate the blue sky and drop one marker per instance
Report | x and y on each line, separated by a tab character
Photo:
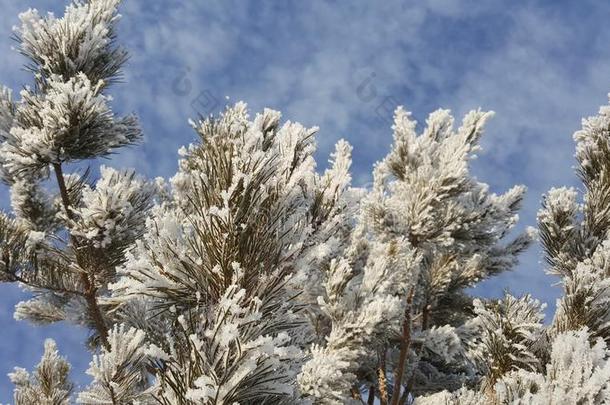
343	66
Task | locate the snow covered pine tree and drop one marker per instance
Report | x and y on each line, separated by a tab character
249	278
523	361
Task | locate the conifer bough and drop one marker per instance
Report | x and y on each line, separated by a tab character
250	278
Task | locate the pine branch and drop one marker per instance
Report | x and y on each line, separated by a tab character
48	384
404	349
33	284
90	290
426	314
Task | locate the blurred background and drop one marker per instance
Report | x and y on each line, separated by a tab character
345	66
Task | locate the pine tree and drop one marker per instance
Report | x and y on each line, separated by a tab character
567	361
250	278
72	239
396	302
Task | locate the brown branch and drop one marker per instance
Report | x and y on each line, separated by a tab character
426	315
404	349
90	290
371	398
425	322
405	395
63	190
382	380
